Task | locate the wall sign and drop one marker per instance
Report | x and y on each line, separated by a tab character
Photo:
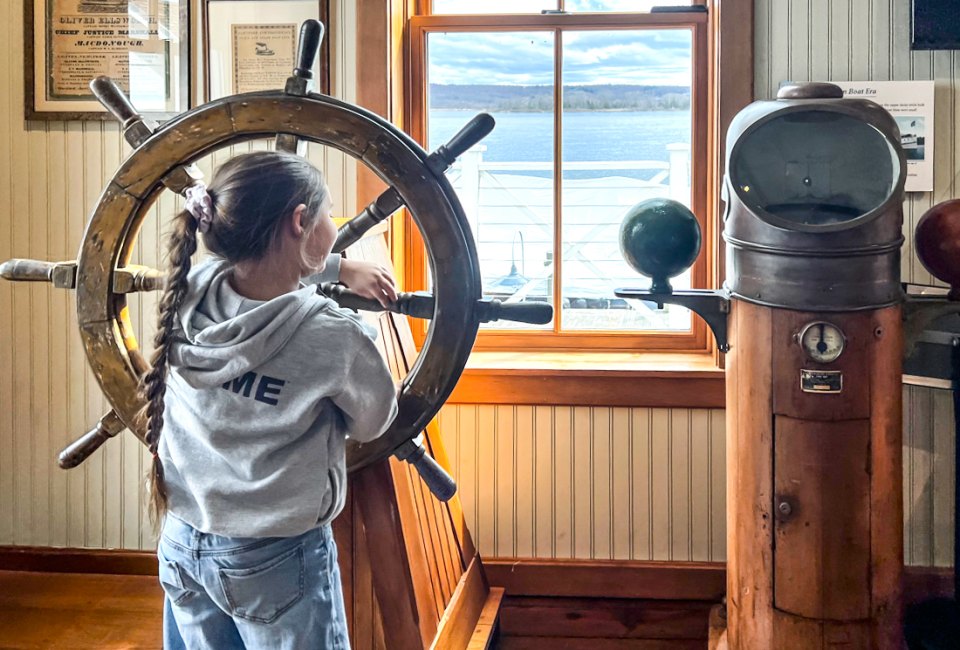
911	104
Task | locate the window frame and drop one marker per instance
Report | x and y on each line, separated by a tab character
703	143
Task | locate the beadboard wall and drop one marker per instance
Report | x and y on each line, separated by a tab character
535	481
648	484
590	482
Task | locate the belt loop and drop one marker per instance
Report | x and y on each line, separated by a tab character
196	544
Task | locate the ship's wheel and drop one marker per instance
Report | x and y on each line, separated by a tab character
163	157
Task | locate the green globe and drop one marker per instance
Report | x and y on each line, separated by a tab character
660	238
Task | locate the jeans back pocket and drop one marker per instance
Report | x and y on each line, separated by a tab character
172	582
262	593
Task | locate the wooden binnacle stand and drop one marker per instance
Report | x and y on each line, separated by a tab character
814	496
811	319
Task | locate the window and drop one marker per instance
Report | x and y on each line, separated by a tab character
600	104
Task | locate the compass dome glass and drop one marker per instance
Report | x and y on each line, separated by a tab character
814	169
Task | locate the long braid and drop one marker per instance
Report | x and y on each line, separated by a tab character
181	245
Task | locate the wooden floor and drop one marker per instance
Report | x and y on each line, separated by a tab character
108	612
79	610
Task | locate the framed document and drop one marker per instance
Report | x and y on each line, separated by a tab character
141	44
251	45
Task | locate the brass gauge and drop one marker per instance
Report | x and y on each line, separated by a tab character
823	342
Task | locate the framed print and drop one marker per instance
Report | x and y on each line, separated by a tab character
141	44
251	45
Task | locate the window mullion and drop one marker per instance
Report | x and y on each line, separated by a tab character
557	180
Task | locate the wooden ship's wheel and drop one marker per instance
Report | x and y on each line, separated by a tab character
163	157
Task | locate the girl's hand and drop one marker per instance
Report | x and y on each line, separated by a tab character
369	279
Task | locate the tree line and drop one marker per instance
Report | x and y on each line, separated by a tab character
607	97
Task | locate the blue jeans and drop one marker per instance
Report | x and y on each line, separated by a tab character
280	593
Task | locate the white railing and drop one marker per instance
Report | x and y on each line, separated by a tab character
511	203
676	172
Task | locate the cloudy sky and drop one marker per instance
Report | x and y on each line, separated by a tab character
644	57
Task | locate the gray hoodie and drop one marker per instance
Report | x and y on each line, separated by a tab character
260	399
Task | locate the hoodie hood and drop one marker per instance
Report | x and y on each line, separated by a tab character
222	335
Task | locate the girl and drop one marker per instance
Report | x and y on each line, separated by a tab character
256	383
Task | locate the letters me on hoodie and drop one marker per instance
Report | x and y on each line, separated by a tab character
260	399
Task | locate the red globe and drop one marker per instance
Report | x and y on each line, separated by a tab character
937	242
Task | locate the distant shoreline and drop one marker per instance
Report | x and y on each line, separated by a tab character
539	99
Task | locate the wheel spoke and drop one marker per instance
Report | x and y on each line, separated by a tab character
472	132
420	304
62	275
352	231
134	278
390	201
433	474
291	144
182	177
534	313
300	83
136	128
81	448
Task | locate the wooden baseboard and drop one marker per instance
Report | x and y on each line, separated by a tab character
923	582
658	580
518	576
608	578
604	622
78	560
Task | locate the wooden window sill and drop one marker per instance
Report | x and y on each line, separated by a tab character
648	379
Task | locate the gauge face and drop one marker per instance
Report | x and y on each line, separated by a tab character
823	342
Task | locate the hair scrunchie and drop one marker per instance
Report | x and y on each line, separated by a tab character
200	205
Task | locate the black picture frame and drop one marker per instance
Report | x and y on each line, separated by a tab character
42	56
935	25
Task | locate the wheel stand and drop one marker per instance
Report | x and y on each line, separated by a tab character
412	577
